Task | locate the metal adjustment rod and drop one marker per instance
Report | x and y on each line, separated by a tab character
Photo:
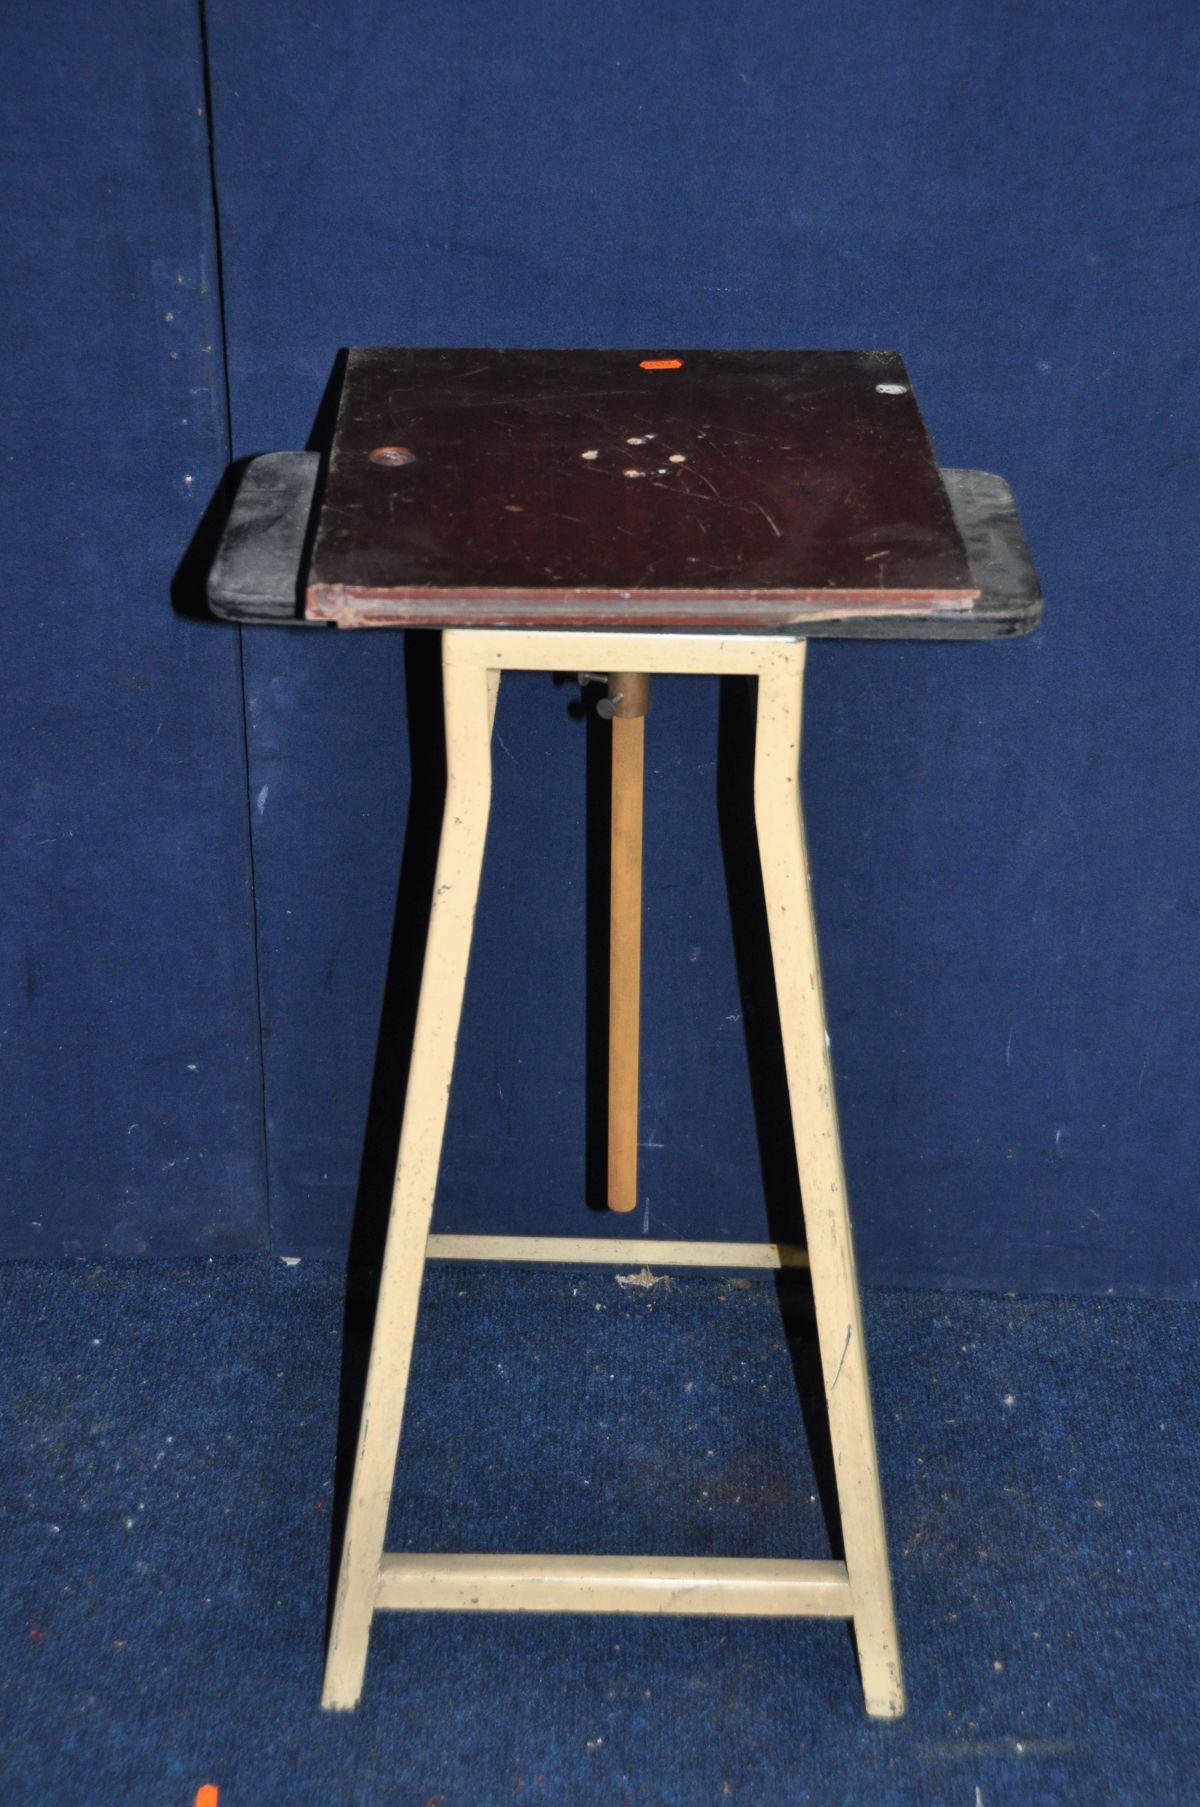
626	705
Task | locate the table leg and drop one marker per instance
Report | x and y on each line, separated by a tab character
780	823
470	694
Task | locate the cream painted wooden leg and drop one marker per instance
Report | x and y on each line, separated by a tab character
470	694
780	821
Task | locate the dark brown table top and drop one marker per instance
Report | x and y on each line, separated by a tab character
749	489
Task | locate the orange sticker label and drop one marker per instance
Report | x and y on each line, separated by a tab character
206	1795
662	363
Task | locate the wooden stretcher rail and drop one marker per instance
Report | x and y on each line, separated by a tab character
750	1587
636	1251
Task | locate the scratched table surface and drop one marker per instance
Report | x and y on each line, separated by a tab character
722	490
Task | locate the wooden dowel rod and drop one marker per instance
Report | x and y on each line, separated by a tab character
629	699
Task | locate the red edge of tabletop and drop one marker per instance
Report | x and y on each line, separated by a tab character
351	606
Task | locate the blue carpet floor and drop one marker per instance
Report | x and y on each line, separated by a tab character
171	1444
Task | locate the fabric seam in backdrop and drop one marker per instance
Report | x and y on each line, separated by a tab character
227	425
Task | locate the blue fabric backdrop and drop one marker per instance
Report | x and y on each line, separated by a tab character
130	1099
1004	838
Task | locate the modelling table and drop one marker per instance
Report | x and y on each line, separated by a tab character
621	514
